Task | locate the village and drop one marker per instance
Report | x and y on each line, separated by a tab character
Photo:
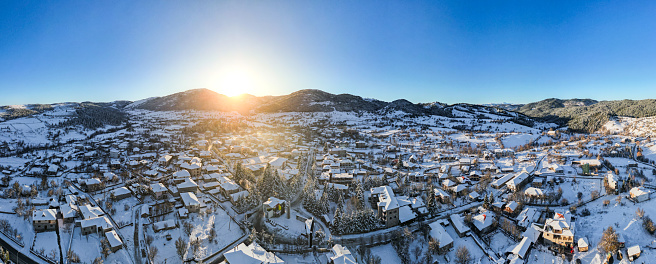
215	187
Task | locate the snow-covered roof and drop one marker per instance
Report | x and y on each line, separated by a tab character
633	250
89	211
181	174
406	214
101	221
639	191
68	210
483	221
114	240
458	224
503	180
439	233
188	183
440	193
341	255
386	197
272	202
532	191
251	254
44	215
189	199
521	248
532	233
583	242
121	191
158	187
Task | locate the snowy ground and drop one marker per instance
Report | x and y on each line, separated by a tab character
386	253
227	231
623	219
47	241
517	140
88	248
24	227
294	227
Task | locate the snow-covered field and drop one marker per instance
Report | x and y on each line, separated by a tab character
227	231
88	248
623	219
386	253
47	241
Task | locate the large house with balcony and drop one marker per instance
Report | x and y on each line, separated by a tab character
559	230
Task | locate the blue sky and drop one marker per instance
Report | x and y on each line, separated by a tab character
423	51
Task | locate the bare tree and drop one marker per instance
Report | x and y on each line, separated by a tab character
462	255
609	240
152	253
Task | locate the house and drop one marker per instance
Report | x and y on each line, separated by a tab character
228	187
273	207
441	195
88	211
501	181
340	255
95	225
278	162
559	230
92	184
515	183
164	160
583	244
180	176
190	201
438	233
639	194
388	206
342	178
252	253
164	225
521	249
120	193
44	219
68	212
115	242
633	252
158	189
483	222
188	185
459	189
460	227
533	192
511	207
613	180
193	168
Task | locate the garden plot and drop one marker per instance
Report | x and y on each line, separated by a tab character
289	228
624	220
23	226
87	247
386	253
517	140
46	244
124	210
500	242
477	255
583	185
199	226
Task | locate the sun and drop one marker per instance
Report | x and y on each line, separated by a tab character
236	80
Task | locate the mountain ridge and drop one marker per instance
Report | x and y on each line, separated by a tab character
583	115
